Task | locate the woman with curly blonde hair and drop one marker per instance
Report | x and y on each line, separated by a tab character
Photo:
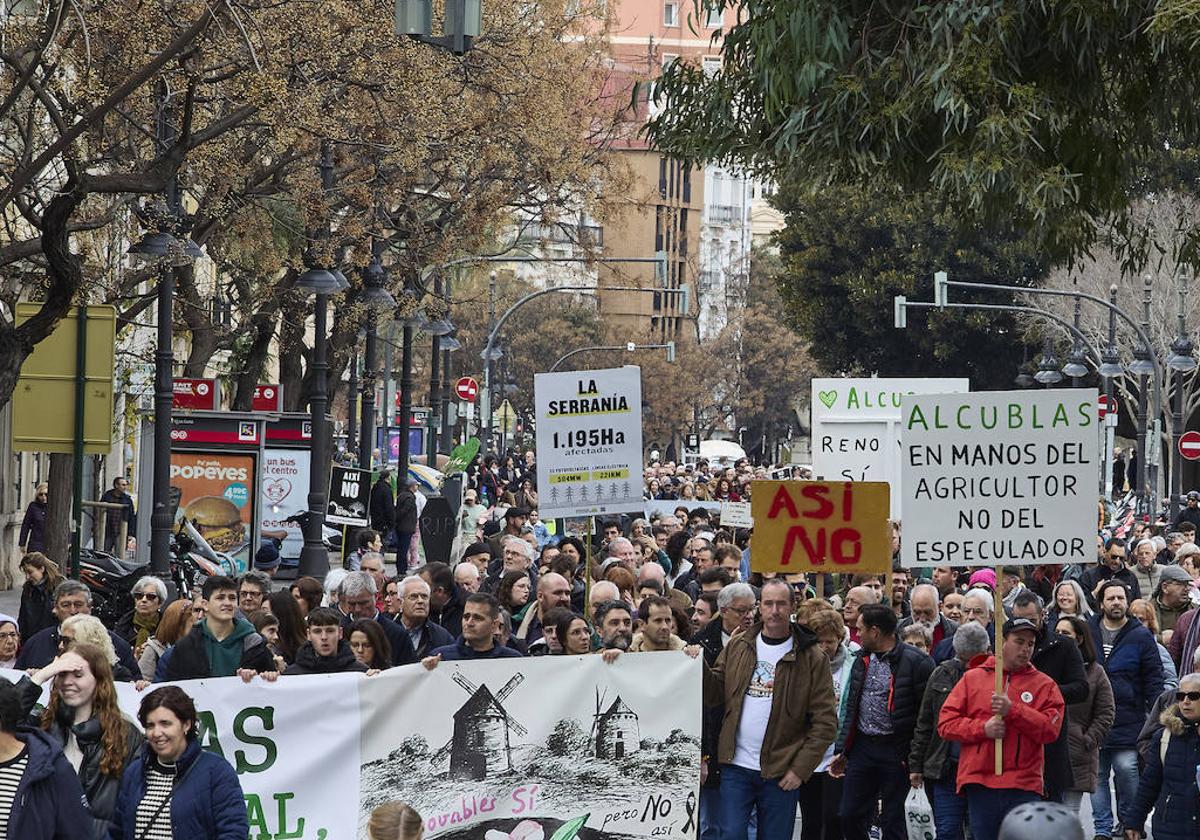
83	717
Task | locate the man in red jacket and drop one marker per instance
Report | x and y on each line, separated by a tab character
1027	715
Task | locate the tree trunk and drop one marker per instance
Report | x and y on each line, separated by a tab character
58	510
262	327
291	353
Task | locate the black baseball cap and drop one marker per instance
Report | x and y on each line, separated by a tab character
1015	624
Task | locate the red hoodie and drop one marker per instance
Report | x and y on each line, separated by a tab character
1034	720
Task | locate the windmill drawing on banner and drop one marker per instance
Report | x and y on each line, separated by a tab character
481	746
615	732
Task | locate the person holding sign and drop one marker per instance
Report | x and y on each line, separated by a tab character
1026	716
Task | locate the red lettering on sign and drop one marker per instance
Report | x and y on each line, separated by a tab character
782	501
818	493
844	544
847	501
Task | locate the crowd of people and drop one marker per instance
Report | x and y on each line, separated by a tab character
830	696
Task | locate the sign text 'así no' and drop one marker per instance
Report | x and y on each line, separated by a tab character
820	526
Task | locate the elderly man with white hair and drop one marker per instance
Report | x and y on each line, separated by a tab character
977	607
466	575
925	609
655	572
424	634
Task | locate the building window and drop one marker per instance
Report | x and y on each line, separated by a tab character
668	59
712	65
687	184
670	14
662	177
713	18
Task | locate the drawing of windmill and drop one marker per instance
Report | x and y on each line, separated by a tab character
480	744
615	730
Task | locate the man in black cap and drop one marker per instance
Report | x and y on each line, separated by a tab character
1191	513
514	520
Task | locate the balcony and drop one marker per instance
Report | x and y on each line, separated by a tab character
585	236
723	214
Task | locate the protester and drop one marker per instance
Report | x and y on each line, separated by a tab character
1088	720
481	616
856	598
40	794
977	607
446	600
253	588
369	645
933	760
514	592
1059	659
382	505
1110	567
614	622
366	541
395	821
10	641
308	593
42	578
221	644
766	749
924	609
1172	773
175	789
138	625
1171	600
821	795
1130	658
88	630
1068	599
1146	568
572	633
657	622
414	618
407	511
466	575
887	683
292	630
84	720
32	538
356	600
1144	611
1027	715
176	620
552	591
325	652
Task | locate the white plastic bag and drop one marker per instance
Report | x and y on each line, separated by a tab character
918	815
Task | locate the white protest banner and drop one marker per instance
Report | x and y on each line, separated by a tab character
566	744
589	441
856	427
999	478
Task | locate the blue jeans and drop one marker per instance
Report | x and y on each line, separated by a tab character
874	772
710	804
949	809
745	793
987	808
1122	763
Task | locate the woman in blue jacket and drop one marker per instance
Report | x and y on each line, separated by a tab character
1169	783
175	789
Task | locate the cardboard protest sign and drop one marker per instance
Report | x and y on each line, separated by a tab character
820	526
1000	478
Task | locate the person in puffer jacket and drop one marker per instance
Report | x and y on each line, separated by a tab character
1169	782
1026	716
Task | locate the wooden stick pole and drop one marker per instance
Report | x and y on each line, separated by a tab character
587	568
998	623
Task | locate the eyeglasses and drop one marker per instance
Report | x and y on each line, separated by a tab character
146	596
1180	696
9	635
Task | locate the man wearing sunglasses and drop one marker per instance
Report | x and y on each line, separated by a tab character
1111	567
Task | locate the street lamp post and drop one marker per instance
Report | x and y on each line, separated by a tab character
1142	365
1181	361
376	298
322	283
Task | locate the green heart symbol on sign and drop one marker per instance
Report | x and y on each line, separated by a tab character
828	397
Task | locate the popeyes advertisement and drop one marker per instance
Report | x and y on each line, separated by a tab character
217	499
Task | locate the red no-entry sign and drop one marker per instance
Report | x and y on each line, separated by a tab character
467	389
1189	445
1107	405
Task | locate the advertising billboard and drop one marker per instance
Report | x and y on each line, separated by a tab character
217	498
285	493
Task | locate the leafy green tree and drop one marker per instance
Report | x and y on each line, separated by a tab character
1042	115
848	251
